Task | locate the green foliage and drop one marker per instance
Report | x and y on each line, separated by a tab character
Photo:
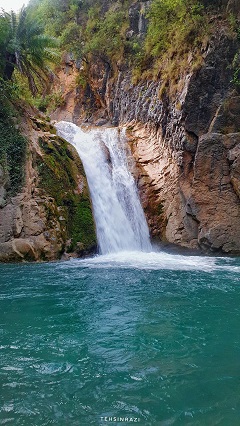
57	181
85	28
49	14
55	15
3	36
12	148
58	171
81	225
26	48
9	91
81	80
50	102
233	22
172	21
105	36
93	30
71	40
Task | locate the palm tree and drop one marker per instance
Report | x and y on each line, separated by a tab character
26	48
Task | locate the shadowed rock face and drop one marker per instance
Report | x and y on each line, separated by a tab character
188	158
214	203
24	227
186	151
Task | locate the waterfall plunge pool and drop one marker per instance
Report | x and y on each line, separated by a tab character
119	336
129	336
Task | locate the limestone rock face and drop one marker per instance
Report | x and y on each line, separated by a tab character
23	225
84	102
216	204
188	158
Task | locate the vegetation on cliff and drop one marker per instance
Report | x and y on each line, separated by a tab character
25	55
159	39
13	144
152	39
25	52
62	177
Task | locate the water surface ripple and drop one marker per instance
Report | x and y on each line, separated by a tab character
152	337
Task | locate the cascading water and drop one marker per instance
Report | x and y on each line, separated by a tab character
119	217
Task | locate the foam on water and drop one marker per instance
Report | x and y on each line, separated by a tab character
149	335
157	261
122	231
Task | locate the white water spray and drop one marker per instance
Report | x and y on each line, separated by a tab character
119	217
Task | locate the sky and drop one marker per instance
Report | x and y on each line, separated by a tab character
15	5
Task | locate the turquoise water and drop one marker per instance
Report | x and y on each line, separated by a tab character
152	339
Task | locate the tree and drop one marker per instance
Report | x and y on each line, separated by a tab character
26	48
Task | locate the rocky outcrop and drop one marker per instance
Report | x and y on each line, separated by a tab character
51	215
185	141
84	100
184	135
187	151
195	204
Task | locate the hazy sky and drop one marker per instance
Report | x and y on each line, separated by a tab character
15	5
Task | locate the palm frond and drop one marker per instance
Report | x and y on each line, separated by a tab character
28	49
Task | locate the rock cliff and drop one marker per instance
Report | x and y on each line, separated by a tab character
186	143
184	135
187	152
51	215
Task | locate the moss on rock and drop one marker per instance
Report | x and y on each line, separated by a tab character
62	177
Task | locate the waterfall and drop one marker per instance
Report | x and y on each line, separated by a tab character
119	218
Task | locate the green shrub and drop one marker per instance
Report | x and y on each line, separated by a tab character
105	36
172	21
12	149
49	103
